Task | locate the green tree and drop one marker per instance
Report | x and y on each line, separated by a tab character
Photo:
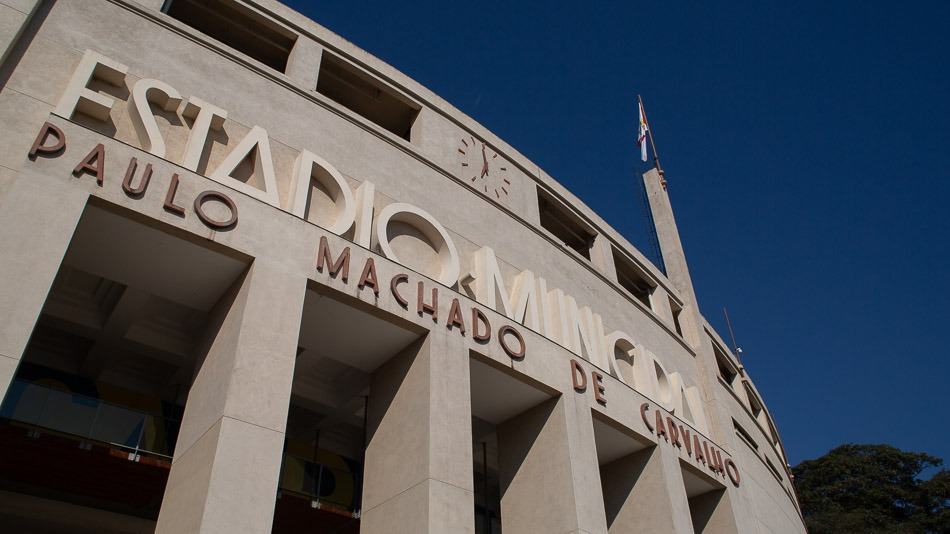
873	489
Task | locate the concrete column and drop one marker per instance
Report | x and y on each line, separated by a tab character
418	467
36	226
691	321
636	496
675	488
227	460
667	234
14	16
602	257
661	306
303	64
548	471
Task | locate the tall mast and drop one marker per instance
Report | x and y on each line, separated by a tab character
656	156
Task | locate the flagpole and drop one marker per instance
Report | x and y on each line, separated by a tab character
656	157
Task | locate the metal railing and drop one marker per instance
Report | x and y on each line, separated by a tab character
90	419
321	483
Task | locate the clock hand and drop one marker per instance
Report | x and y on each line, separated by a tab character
485	162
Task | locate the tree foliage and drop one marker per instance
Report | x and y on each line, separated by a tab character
873	489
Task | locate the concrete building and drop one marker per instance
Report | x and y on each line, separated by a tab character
255	280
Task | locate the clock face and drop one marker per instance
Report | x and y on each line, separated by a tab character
483	168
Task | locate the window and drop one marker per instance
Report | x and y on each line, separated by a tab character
773	435
744	435
677	310
727	370
366	96
557	219
633	279
757	408
774	469
238	27
754	405
776	444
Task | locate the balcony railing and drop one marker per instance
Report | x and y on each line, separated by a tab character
327	487
336	488
90	419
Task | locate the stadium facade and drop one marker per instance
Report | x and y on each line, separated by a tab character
255	280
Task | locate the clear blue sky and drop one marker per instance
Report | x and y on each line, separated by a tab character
806	148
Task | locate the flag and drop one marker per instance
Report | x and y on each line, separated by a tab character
642	137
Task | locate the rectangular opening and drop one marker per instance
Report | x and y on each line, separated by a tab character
629	467
744	435
331	410
509	416
774	469
708	502
773	435
727	370
91	420
565	226
361	93
237	26
677	311
633	279
757	408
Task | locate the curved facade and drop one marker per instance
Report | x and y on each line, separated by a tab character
256	280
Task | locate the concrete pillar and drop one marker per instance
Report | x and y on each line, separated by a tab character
636	496
661	306
691	321
549	478
36	226
674	258
14	17
303	65
227	460
418	466
675	488
602	257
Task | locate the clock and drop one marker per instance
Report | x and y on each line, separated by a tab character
483	168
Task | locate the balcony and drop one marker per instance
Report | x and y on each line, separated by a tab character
77	449
92	420
314	494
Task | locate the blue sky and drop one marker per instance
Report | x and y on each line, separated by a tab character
806	148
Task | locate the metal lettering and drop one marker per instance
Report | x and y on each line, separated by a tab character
342	262
455	317
136	192
214	224
578	378
39	144
94	163
368	277
394	284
